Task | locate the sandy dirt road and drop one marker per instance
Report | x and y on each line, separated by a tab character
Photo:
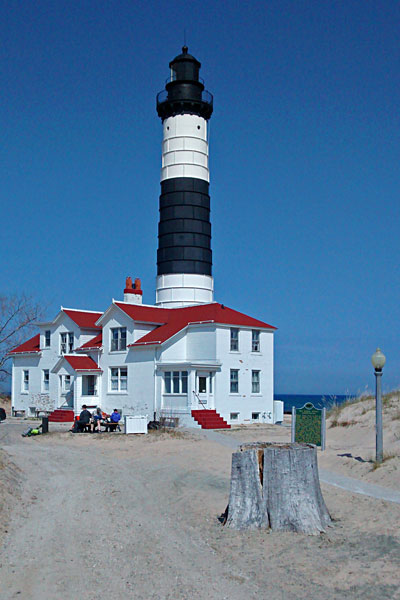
117	516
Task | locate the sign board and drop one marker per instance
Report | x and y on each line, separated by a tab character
308	425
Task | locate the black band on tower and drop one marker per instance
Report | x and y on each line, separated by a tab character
184	232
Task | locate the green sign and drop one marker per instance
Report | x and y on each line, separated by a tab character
308	425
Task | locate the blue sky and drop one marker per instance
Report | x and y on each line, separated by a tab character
304	158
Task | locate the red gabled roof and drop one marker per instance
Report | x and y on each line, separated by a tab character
83	318
31	345
82	363
94	343
172	320
147	314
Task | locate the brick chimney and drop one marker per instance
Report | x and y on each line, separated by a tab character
133	292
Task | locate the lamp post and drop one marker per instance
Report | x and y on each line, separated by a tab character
378	361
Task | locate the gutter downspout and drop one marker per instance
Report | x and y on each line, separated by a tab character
155	386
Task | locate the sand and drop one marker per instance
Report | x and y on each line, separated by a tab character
136	517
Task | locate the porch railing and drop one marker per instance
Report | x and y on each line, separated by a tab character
200	401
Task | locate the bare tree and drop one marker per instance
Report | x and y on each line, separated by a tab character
18	314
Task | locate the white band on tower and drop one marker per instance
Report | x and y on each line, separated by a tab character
185	148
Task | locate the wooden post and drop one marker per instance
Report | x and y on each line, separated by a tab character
276	486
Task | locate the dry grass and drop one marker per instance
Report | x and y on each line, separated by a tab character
168	433
390	401
386	456
336	423
336	409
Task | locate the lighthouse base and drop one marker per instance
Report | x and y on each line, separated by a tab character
184	289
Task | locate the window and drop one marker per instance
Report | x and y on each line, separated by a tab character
89	385
47	338
67	342
184	382
202	385
46	380
118	339
255	416
119	379
65	383
25	381
234	416
255	382
175	382
234	340
167	382
255	340
211	382
234	381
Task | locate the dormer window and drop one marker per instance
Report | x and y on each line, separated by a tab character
118	339
66	342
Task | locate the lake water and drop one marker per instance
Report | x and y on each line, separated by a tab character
299	400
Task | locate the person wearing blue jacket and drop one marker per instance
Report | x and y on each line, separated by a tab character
115	417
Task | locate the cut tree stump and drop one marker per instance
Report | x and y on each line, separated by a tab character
276	486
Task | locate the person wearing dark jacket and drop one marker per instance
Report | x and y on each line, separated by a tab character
84	419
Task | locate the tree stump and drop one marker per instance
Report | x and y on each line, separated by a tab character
276	486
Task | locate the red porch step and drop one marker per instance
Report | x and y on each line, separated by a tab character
209	419
61	415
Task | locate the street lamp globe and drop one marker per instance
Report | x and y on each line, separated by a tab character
378	360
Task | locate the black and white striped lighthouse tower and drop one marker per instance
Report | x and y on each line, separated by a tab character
184	259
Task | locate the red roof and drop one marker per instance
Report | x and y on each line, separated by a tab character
95	342
83	318
31	345
172	320
82	363
147	314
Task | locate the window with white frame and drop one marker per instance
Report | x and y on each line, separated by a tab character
234	385
118	338
46	380
65	383
211	382
255	416
175	382
66	342
89	385
25	381
255	340
119	379
234	339
255	382
234	416
47	335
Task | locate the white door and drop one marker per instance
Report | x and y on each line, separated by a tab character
204	389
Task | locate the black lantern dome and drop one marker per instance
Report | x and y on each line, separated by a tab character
184	90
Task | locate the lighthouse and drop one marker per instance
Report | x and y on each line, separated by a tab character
184	256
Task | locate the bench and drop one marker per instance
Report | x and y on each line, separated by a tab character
110	426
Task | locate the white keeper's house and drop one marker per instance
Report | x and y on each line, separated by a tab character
187	356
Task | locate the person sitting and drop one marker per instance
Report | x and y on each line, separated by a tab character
84	419
97	420
114	420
